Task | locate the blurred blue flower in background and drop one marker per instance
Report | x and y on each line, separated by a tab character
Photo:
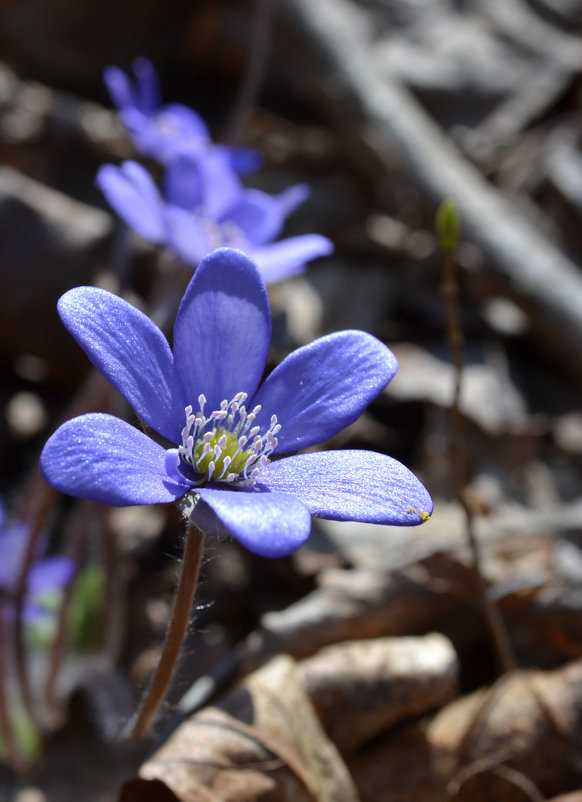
46	575
205	207
160	131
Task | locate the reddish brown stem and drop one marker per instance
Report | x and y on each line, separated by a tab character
175	634
20	652
77	543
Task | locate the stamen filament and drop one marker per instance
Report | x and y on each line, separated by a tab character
226	444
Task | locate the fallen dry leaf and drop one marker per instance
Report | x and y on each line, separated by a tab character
361	604
400	761
529	723
263	741
360	688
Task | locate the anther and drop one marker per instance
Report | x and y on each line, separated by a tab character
225	446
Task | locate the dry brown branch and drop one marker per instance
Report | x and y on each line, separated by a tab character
379	113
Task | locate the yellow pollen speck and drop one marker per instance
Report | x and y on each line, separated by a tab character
423	514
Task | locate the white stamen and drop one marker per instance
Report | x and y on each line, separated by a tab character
214	444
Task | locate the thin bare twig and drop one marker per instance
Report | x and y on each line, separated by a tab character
376	111
6	729
36	506
494	621
38	516
255	71
59	645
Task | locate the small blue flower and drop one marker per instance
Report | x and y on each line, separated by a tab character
226	430
161	131
206	207
45	576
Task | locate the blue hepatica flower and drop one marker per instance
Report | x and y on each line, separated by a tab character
205	207
160	131
46	576
227	430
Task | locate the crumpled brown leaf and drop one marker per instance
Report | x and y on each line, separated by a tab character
360	688
263	741
400	761
529	725
362	604
519	741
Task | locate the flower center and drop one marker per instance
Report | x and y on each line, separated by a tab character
167	123
225	234
225	446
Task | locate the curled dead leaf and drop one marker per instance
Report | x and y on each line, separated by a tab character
529	723
360	688
263	741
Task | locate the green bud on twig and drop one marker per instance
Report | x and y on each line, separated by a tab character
447	226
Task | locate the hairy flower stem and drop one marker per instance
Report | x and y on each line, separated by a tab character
493	619
177	628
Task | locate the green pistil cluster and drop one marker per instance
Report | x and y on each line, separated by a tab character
225	446
231	459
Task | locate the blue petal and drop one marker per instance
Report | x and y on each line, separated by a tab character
319	389
242	160
268	524
130	351
258	215
141	130
222	186
351	486
186	236
223	329
292	197
172	130
188	126
183	182
148	95
203	180
119	87
287	257
30	612
134	196
101	457
13	544
261	216
52	573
